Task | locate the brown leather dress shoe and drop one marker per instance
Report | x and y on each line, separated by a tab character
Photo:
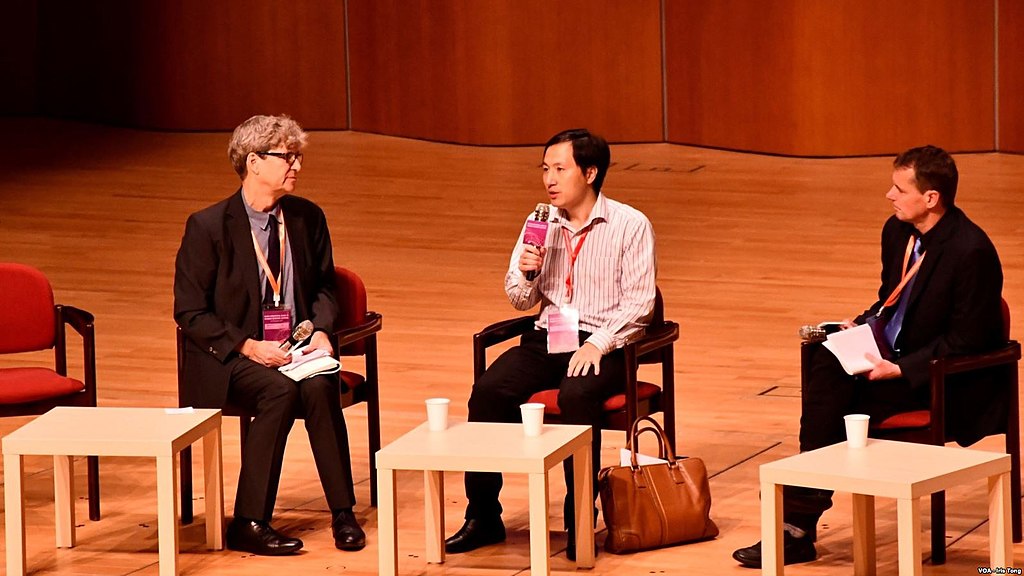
474	534
257	537
348	535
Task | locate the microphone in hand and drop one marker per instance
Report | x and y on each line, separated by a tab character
536	233
300	333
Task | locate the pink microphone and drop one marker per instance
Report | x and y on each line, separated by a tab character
536	232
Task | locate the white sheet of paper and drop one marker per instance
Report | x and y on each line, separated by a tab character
851	345
641	459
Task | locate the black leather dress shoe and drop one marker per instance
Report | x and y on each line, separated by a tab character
794	551
259	538
474	534
348	535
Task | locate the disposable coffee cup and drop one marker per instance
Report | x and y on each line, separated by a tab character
437	414
533	418
856	430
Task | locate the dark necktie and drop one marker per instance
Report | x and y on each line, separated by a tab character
892	328
273	258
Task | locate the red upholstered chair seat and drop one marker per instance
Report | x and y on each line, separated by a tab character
352	380
25	385
549	398
906	420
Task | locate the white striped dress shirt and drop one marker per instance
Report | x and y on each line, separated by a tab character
613	280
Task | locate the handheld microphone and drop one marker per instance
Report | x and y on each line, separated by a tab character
301	332
536	232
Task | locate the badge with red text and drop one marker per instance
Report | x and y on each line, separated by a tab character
564	330
277	323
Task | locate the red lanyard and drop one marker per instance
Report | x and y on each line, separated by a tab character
907	275
573	253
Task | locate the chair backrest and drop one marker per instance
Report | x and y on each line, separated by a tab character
351	295
28	322
1006	321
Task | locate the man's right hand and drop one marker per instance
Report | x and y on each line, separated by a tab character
532	258
266	353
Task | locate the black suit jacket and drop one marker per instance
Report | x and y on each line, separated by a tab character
955	307
217	298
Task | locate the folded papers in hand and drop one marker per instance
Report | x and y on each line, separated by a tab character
304	365
851	347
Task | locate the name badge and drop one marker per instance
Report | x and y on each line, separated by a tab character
564	330
277	323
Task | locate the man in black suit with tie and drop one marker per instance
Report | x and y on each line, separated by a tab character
249	269
941	294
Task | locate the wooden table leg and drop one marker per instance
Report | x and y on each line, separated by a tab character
1000	533
864	560
908	519
14	513
213	471
540	541
167	513
433	512
387	527
771	529
584	495
64	500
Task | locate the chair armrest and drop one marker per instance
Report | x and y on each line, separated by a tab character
505	330
495	334
967	362
655	339
84	323
356	333
77	318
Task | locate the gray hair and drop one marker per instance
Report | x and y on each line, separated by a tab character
261	133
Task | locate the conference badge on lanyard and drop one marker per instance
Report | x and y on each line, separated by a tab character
277	323
563	330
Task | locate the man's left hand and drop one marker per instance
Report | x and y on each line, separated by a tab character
588	355
320	341
883	370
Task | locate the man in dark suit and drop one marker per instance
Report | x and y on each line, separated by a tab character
941	294
249	269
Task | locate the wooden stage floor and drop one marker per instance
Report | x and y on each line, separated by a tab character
749	248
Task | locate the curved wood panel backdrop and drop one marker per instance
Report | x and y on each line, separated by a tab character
1011	76
505	71
800	77
192	64
843	77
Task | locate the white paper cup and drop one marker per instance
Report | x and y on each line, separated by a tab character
533	418
437	414
856	430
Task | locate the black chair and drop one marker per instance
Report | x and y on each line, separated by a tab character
928	426
356	336
656	346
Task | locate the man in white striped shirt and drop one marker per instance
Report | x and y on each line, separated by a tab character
594	279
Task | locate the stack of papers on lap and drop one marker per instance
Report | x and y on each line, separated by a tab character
851	347
314	363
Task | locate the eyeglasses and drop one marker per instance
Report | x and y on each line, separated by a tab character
289	157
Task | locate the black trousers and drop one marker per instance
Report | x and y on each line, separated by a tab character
276	400
829	394
516	375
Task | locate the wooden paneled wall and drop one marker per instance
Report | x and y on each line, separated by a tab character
1011	75
801	77
506	71
830	78
19	59
192	64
